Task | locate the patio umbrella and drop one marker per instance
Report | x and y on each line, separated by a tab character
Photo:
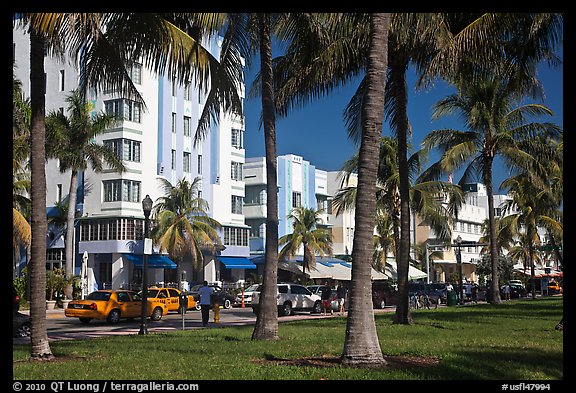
84	274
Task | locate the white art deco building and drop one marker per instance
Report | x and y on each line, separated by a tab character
155	142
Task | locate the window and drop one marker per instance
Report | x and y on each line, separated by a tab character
235	236
173	159
112	229
59	192
236	170
121	190
186	162
125	149
136	73
186	126
199	164
296	199
129	110
174	87
237	204
237	138
61	80
173	122
187	91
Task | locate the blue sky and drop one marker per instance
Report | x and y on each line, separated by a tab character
317	131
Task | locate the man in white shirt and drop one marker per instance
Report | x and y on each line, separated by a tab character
205	292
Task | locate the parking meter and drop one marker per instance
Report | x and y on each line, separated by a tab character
183	302
183	305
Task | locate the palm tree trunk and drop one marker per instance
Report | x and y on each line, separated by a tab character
399	64
361	345
40	347
70	246
492	227
266	327
530	235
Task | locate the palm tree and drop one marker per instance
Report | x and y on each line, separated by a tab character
106	45
361	344
520	251
306	234
40	347
471	58
533	205
434	201
20	172
183	225
71	140
496	128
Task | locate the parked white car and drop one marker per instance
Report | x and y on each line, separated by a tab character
290	298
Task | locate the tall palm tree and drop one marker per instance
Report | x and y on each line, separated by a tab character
71	141
496	128
182	224
306	234
40	347
361	345
106	45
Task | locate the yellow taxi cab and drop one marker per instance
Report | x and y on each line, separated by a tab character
554	287
170	297
112	305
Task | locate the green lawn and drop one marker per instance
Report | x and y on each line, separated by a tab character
515	340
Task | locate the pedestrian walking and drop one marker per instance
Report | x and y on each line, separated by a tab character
205	293
341	294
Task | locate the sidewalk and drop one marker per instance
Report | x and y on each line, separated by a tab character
52	314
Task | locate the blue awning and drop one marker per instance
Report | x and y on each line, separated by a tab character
237	263
155	261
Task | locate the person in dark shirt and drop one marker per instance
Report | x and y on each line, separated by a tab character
326	298
341	294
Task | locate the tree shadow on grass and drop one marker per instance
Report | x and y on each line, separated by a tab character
400	362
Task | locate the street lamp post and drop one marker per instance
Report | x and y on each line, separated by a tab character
459	263
147	207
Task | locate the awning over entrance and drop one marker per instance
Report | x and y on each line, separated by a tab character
237	262
413	273
155	261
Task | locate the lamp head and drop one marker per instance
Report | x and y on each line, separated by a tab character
147	205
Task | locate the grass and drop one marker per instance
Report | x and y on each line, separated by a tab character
512	341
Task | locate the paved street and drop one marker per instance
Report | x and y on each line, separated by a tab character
61	327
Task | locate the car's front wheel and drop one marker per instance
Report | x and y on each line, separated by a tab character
227	304
156	314
114	316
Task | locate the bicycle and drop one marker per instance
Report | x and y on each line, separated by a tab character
425	301
414	302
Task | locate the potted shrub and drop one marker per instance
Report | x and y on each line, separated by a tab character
55	284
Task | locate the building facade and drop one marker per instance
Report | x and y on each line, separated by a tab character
155	142
299	184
